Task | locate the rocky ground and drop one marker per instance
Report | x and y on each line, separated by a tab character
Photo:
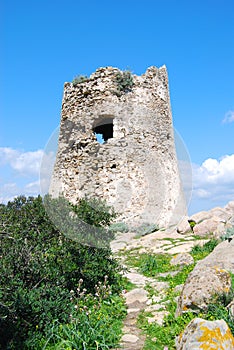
210	275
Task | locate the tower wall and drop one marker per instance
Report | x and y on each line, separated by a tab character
136	170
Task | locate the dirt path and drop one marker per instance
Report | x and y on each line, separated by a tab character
138	299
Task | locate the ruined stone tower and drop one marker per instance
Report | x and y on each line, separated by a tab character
135	169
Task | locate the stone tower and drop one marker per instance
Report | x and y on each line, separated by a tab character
135	167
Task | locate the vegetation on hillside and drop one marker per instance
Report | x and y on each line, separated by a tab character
55	292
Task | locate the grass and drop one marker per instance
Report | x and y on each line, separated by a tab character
200	252
128	285
179	278
160	336
151	265
96	323
151	291
217	308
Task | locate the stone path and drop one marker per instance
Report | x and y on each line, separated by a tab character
138	299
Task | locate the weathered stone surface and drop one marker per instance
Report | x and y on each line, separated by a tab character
212	225
135	169
214	221
210	276
138	294
230	308
201	285
184	227
223	214
186	247
182	259
130	338
158	317
202	334
210	273
222	257
230	208
200	216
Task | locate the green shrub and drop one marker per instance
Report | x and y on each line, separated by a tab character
39	267
228	235
124	82
80	79
95	212
95	321
150	265
192	223
217	309
145	229
86	223
119	227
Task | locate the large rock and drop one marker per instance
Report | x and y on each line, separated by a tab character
230	208
201	334
230	308
183	226
210	276
136	295
200	286
200	216
182	259
222	256
223	214
214	221
212	225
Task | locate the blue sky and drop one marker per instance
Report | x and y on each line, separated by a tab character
45	43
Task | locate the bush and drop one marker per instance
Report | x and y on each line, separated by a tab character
119	227
80	79
192	224
95	321
39	267
217	308
145	229
228	235
94	212
86	223
124	82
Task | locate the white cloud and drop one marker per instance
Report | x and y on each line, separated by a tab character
19	173
229	117
214	179
9	191
23	163
32	188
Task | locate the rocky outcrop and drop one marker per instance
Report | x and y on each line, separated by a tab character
209	277
222	257
213	225
201	334
215	222
201	285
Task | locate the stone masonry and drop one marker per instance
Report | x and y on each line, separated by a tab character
135	169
